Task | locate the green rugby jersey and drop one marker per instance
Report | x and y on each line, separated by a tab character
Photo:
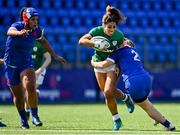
37	55
115	40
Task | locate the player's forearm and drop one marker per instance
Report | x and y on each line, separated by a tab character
13	32
47	46
102	64
47	60
1	61
86	42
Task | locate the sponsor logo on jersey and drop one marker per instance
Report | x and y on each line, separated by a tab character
34	33
114	43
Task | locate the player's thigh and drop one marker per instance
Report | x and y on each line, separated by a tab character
111	79
145	105
28	77
17	91
101	79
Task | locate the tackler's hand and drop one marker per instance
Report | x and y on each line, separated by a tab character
1	61
60	59
24	32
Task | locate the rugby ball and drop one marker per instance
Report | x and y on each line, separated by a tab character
102	43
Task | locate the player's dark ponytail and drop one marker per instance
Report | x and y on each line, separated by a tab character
113	15
21	13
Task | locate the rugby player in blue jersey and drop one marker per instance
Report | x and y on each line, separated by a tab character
1	123
137	80
18	64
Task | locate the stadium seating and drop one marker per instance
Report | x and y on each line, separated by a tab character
149	23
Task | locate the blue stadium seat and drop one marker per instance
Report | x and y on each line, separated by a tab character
65	21
124	6
171	51
42	21
144	22
150	54
166	22
80	5
77	22
176	23
140	49
102	4
91	5
173	39
46	4
160	52
85	53
57	4
73	39
22	3
146	6
50	38
168	6
54	21
69	4
10	3
152	40
69	51
155	22
62	39
88	22
157	6
164	39
133	22
140	40
177	5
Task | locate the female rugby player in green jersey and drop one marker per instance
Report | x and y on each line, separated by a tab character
107	77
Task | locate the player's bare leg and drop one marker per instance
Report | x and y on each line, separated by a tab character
28	80
110	100
18	98
155	114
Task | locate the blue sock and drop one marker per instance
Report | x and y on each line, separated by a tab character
34	112
166	123
23	116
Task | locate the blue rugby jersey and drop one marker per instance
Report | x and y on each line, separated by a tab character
128	61
19	48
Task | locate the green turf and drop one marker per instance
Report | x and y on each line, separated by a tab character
93	119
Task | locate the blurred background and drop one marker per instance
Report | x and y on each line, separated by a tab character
153	25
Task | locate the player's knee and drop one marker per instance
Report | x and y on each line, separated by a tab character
108	94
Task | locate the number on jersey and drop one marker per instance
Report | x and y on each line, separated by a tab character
136	56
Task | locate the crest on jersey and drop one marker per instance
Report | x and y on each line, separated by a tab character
114	43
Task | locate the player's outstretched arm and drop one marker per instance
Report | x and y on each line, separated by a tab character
86	40
14	32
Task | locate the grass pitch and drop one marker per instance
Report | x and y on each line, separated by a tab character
93	119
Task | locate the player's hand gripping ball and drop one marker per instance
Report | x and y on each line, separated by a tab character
101	44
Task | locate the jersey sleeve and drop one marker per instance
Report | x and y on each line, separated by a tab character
17	26
94	31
